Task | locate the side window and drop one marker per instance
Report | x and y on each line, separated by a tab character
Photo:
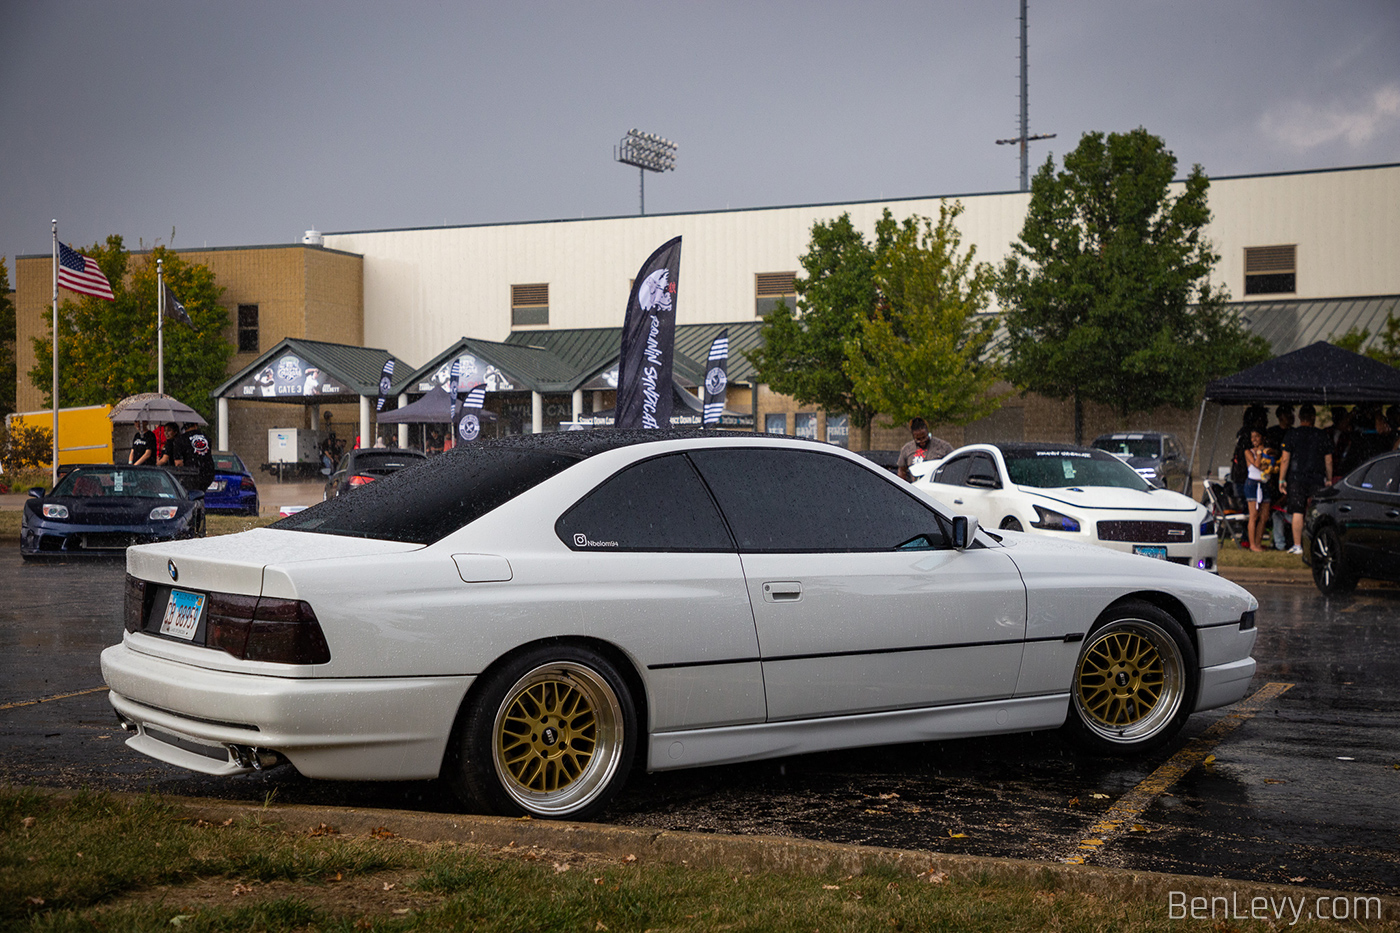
795	500
954	472
1382	476
983	473
656	505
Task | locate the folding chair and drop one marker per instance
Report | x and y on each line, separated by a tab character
1231	514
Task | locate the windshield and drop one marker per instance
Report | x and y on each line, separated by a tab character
1058	469
1149	447
112	482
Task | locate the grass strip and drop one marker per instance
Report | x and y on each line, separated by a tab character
93	861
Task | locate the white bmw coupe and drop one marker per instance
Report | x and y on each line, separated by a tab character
1071	493
532	618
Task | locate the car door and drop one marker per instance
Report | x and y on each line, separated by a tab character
859	601
1371	514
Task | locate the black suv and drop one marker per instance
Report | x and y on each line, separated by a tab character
1157	457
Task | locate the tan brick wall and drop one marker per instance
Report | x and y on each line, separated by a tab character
300	291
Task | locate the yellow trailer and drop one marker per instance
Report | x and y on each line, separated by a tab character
84	434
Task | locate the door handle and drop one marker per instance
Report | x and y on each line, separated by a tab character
1392	513
782	592
1343	508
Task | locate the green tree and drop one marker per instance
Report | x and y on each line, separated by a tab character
1108	289
804	355
107	349
7	343
1387	347
923	353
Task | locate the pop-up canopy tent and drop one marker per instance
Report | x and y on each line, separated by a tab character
435	407
1321	374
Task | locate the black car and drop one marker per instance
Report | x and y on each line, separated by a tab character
102	509
1157	457
1353	528
366	464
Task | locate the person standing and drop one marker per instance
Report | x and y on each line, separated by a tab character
197	452
143	445
171	448
924	446
1254	492
1305	468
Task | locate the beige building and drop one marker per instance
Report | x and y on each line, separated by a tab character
1308	255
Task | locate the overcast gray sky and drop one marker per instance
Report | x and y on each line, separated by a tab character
243	123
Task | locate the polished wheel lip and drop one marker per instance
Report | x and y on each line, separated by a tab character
1127	665
557	738
1326	560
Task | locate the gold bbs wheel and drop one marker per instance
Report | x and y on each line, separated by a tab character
1131	681
558	738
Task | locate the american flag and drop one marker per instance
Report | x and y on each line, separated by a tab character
81	274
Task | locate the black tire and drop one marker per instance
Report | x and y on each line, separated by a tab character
1134	683
551	733
1329	569
1011	523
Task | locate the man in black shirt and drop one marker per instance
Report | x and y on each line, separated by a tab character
1305	468
143	445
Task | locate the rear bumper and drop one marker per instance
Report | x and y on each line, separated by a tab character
391	728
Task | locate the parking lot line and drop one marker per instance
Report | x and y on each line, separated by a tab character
57	696
1135	802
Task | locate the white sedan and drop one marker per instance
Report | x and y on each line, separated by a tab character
1073	494
530	618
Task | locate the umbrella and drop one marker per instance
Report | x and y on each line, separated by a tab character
152	406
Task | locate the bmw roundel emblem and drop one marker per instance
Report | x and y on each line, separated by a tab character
174	574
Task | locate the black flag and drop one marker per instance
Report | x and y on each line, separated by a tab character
174	309
466	421
385	381
716	378
649	343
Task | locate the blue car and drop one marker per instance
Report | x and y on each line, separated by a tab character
233	489
99	510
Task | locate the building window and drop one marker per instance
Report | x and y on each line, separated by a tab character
775	424
529	305
1270	270
247	328
772	287
804	425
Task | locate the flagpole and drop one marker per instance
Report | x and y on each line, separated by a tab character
55	352
160	326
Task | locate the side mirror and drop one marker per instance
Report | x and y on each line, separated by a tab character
197	494
964	531
36	492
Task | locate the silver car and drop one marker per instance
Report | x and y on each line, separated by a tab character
532	616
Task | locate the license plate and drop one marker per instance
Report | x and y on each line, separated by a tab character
1150	551
182	614
216	486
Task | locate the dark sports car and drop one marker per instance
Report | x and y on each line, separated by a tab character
1353	527
364	465
102	509
233	489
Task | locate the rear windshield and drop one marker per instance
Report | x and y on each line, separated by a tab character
1058	469
434	498
228	463
370	460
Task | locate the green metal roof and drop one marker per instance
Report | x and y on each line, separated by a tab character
534	368
587	351
357	367
1296	323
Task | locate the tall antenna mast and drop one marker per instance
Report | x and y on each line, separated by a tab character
1025	136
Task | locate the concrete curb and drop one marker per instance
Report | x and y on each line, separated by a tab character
764	853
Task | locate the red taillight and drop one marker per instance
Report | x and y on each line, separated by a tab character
286	630
361	479
265	629
247	483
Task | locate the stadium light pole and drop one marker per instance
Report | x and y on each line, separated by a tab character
649	153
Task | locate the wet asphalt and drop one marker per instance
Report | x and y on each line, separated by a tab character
1304	791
